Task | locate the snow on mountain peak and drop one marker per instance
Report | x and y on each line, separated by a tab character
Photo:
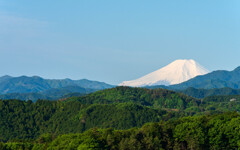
176	72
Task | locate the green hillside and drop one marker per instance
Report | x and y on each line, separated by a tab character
156	98
27	120
120	108
206	132
202	93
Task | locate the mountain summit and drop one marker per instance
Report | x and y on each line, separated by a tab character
174	73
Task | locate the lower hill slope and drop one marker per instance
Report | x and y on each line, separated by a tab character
117	108
27	120
206	132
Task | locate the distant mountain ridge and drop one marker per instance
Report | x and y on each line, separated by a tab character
50	94
220	80
44	88
174	73
215	79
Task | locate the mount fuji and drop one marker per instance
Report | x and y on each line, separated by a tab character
176	72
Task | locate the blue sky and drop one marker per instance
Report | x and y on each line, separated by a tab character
113	41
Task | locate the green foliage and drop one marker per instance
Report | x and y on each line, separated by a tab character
189	133
116	119
27	120
202	93
45	138
157	98
119	116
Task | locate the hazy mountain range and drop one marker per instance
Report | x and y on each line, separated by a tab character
35	87
193	79
24	84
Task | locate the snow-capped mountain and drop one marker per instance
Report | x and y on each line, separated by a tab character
174	73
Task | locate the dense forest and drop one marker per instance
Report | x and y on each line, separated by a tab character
156	98
27	120
122	118
199	132
202	93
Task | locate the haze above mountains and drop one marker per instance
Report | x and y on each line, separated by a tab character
181	75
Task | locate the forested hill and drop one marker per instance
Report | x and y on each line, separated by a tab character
117	108
202	93
157	98
27	120
120	108
207	132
